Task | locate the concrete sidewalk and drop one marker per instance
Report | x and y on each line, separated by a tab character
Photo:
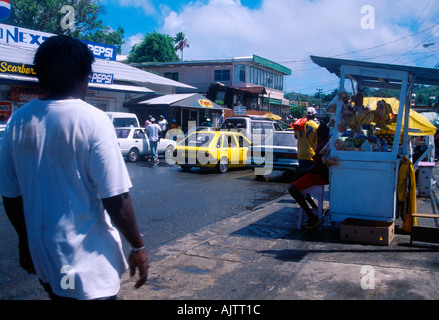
259	255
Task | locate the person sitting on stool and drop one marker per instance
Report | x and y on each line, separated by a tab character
318	174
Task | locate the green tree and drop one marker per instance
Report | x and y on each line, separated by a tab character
180	43
46	16
155	47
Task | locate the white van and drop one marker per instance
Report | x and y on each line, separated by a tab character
123	119
254	128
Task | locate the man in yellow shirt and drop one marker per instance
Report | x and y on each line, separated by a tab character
307	140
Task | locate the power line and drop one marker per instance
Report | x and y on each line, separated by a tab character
366	49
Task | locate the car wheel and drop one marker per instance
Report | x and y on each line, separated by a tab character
133	155
169	152
223	165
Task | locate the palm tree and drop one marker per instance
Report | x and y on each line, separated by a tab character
180	43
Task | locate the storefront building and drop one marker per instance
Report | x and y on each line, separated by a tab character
252	82
184	108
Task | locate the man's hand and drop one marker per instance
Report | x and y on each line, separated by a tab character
139	259
25	257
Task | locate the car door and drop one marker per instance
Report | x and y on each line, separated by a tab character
243	145
231	148
139	140
124	139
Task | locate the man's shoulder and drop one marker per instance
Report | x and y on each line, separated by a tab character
313	124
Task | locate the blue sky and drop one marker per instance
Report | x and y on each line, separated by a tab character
289	31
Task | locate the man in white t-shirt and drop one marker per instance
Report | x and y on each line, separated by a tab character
64	183
154	137
163	123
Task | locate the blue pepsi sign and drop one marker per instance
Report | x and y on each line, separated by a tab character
102	51
99	77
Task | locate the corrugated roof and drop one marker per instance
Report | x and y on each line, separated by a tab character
168	98
189	100
422	75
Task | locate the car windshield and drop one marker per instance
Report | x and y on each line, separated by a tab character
122	133
199	139
280	139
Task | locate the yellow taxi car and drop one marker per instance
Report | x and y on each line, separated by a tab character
212	149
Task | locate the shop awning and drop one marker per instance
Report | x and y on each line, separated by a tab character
418	124
183	100
12	78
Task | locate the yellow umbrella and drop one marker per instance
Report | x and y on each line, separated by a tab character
273	116
416	121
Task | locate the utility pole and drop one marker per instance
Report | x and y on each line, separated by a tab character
320	103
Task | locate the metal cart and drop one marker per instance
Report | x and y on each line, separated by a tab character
364	184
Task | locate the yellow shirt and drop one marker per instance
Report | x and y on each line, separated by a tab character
307	141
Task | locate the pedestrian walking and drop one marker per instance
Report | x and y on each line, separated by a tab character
154	138
65	184
148	121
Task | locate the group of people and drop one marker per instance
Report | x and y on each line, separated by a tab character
156	131
311	139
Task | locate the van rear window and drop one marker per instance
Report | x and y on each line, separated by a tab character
124	122
234	124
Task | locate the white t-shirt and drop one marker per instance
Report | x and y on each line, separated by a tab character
163	124
63	158
153	130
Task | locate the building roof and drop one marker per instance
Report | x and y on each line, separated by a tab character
256	59
191	100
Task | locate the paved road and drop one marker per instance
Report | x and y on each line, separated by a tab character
169	204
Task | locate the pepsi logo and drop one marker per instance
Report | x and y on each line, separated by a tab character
5	9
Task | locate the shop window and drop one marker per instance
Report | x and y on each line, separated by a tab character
239	73
221	95
222	75
171	75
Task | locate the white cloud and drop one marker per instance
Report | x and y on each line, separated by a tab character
135	39
146	5
286	31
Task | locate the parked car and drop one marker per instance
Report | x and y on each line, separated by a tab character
278	151
123	119
134	143
253	128
212	149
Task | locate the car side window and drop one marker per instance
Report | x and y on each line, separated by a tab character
220	141
243	142
257	128
268	127
231	141
122	133
138	134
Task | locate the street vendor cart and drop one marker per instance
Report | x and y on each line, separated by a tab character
364	179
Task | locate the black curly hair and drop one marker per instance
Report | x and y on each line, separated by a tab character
62	62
